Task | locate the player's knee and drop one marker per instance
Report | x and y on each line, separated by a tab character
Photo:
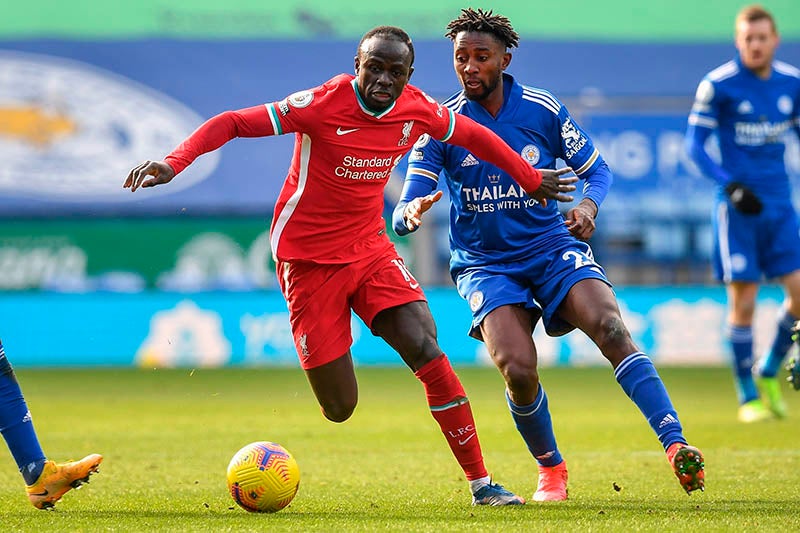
420	352
521	377
338	411
613	334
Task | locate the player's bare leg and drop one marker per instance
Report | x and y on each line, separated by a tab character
335	386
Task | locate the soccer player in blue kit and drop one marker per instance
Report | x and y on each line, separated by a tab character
515	261
751	102
46	480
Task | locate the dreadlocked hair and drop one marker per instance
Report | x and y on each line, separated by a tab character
485	22
393	33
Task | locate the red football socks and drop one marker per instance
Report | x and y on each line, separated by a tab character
450	408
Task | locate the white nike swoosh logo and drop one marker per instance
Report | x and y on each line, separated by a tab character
340	131
463	442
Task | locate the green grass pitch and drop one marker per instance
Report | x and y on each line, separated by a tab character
167	437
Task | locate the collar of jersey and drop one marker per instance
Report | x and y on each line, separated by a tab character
364	108
509	104
746	71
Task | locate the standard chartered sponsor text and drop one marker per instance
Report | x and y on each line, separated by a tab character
373	168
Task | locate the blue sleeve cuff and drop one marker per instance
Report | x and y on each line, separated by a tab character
598	184
414	187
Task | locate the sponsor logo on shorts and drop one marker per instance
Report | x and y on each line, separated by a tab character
738	262
303	341
475	300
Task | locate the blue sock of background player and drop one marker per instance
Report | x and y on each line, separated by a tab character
741	341
16	424
780	346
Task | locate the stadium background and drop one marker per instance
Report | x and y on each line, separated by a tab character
181	275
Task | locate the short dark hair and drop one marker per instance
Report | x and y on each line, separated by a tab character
754	13
484	22
391	32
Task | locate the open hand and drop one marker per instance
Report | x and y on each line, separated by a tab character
415	208
160	171
580	219
554	186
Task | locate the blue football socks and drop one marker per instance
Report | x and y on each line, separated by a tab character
536	427
16	425
639	379
769	367
741	340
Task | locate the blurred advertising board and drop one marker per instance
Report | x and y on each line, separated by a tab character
180	254
674	325
132	255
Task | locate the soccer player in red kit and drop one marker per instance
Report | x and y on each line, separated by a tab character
328	234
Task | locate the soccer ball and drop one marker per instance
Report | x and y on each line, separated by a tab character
263	477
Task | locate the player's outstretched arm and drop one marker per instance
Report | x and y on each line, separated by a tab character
413	210
487	145
159	172
213	133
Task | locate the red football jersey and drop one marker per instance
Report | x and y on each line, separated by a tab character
330	208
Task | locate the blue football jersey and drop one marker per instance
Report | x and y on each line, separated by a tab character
491	218
751	117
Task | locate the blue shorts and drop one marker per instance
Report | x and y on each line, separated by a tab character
753	247
539	283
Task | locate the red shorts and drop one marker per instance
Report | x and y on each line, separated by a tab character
320	297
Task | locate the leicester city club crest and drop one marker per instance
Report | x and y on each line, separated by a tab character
531	154
475	300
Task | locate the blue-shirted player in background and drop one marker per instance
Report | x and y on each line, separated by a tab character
509	255
752	102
